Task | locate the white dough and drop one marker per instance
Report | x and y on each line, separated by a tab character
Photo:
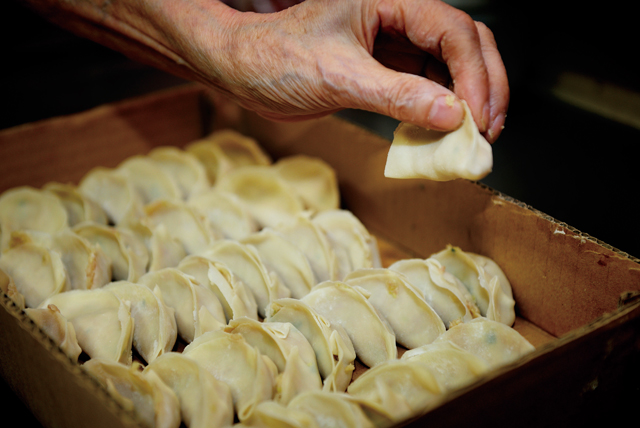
440	156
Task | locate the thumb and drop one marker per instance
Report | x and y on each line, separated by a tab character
409	98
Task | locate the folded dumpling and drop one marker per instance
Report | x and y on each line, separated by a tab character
333	349
36	272
331	410
246	265
148	179
413	321
204	401
399	388
197	309
284	259
144	393
417	152
125	250
444	293
348	307
184	169
491	290
312	179
79	207
494	342
352	243
154	328
30	209
287	347
56	326
272	414
114	193
314	244
8	287
267	196
250	375
452	366
225	213
103	322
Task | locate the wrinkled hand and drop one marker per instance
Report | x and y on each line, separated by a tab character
394	57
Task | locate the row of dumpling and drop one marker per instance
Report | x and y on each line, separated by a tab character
254	279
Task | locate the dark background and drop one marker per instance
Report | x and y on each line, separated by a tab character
565	160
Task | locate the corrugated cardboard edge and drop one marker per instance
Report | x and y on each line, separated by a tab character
54	387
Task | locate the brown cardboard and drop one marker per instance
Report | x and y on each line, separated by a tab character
568	286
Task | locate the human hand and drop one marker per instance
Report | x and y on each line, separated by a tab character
398	58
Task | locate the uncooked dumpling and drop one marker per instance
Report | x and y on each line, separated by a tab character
287	347
79	207
225	214
284	259
197	309
36	271
61	331
8	287
148	179
154	328
184	169
27	208
413	321
230	359
102	322
494	342
444	293
331	410
272	414
491	292
334	351
373	338
417	152
236	299
205	402
144	393
312	179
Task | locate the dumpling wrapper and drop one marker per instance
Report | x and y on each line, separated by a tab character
288	348
452	366
204	401
56	326
402	388
250	375
144	393
236	299
8	287
348	306
79	207
225	214
417	152
331	409
354	246
314	244
491	292
246	265
196	307
103	322
148	179
184	168
440	289
333	349
154	323
284	259
312	179
125	250
36	272
272	414
28	208
413	321
493	341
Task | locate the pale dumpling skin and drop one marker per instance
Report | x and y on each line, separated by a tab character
204	400
79	207
61	331
413	321
497	344
331	410
8	287
142	392
155	330
250	375
272	414
102	322
373	338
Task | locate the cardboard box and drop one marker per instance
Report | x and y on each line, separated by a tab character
576	297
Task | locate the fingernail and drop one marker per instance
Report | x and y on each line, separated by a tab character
446	113
496	128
